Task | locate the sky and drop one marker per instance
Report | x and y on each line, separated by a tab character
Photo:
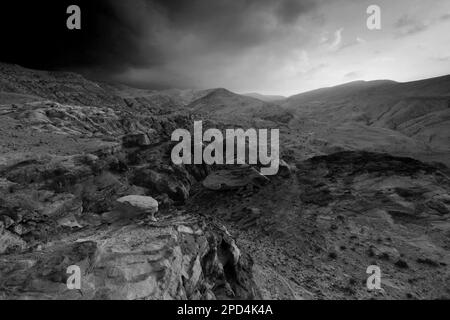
279	47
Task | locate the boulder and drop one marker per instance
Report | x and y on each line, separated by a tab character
133	206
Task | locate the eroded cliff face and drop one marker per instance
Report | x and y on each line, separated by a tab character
54	214
174	258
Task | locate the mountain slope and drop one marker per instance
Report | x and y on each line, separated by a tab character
266	98
360	90
62	87
226	106
418	110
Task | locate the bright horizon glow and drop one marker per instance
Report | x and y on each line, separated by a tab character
338	84
326	45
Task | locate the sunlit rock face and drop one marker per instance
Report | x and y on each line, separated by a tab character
175	259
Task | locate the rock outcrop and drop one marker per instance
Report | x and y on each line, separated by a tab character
232	179
336	215
133	206
55	212
173	259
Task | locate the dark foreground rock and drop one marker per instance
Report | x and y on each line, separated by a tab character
55	213
172	259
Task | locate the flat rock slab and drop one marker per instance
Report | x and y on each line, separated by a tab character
131	207
141	204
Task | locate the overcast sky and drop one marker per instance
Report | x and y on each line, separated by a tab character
267	46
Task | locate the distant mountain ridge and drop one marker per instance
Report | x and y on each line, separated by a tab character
439	86
368	111
418	109
266	98
21	84
224	105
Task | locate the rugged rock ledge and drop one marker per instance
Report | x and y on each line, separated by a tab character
172	259
52	217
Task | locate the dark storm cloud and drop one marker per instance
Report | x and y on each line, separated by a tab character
118	35
215	24
34	34
178	32
290	10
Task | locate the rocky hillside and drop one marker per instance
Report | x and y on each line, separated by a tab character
86	179
266	98
313	233
422	118
63	173
71	149
402	118
225	106
371	97
63	87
